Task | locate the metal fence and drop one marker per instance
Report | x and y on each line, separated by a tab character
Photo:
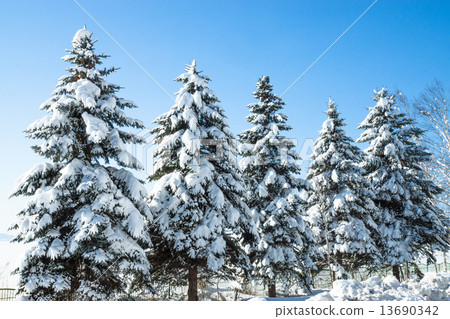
7	294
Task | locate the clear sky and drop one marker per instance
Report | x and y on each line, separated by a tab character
397	44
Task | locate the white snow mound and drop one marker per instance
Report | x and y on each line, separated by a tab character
82	33
433	286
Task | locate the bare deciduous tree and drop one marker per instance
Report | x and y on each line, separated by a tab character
432	112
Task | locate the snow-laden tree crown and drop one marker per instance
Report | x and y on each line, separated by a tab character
271	176
410	222
341	210
87	220
197	195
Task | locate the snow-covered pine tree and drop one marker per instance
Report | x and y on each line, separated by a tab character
340	207
87	219
432	224
270	172
201	219
409	221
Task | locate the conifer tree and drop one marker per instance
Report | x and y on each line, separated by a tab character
202	219
271	176
340	206
410	223
87	219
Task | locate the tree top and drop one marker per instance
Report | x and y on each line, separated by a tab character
81	35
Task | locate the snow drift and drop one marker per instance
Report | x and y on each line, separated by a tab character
431	287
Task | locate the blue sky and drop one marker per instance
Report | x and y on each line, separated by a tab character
397	44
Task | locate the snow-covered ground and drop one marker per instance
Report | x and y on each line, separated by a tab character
433	286
10	257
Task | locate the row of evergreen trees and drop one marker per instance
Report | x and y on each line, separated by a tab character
97	234
375	208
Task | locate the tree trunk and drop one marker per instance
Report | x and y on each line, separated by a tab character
272	290
312	278
407	274
396	271
338	258
402	276
332	274
445	261
192	278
